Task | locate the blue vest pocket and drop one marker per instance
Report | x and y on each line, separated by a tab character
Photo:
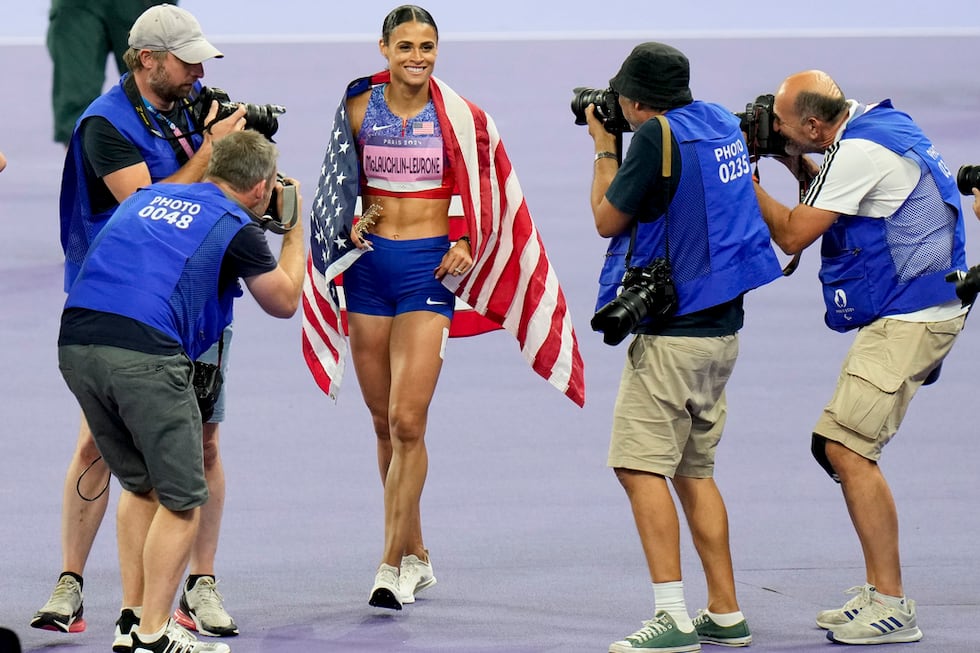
846	291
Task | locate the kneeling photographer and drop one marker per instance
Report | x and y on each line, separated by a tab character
687	241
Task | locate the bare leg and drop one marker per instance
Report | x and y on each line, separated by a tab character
165	554
708	521
205	547
133	517
873	513
369	336
656	522
416	360
80	519
398	363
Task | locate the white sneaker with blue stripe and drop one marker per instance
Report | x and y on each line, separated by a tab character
878	623
829	619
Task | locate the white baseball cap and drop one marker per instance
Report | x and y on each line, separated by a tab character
166	28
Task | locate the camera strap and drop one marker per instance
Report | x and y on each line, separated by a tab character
794	262
665	172
178	137
221	347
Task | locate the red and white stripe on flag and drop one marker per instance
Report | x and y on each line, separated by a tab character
511	285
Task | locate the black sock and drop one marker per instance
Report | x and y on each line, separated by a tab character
81	583
193	578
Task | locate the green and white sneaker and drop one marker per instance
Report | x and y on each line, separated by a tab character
827	619
710	632
659	634
878	623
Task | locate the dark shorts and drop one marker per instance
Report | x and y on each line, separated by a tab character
144	417
398	276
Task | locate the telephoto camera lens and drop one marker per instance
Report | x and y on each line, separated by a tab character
607	108
618	318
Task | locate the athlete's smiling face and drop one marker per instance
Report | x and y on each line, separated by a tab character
411	53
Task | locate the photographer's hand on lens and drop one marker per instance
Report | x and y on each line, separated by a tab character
215	130
976	202
283	212
604	141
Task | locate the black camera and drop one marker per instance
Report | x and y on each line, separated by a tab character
280	222
967	284
647	293
261	118
607	108
207	387
760	132
967	179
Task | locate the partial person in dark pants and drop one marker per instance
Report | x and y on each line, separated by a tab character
681	209
887	211
156	290
81	35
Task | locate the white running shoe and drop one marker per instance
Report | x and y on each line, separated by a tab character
177	640
63	611
415	576
385	592
827	619
202	609
878	623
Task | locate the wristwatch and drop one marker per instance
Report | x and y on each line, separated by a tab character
605	155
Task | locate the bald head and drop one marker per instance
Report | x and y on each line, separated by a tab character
810	94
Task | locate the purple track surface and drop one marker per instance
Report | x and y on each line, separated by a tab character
531	537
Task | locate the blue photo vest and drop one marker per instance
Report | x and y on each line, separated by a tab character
158	259
79	225
719	244
875	267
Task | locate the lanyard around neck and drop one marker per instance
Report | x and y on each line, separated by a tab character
142	107
183	139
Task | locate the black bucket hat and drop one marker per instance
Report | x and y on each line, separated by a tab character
655	74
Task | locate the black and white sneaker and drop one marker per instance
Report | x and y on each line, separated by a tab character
63	611
176	639
125	625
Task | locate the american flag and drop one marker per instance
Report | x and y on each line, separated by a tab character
424	128
511	283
